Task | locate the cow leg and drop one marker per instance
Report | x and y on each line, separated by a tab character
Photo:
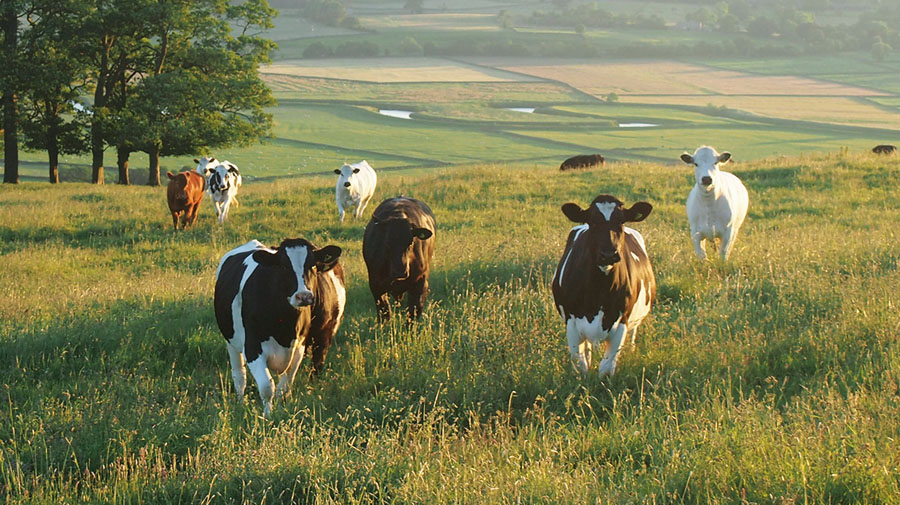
613	344
633	336
579	348
175	220
341	213
415	299
382	303
287	378
224	213
195	209
362	206
698	245
238	373
727	243
264	382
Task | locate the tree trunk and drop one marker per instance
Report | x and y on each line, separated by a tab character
153	175
96	127
10	123
53	155
122	154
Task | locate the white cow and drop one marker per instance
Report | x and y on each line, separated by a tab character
223	179
718	203
355	187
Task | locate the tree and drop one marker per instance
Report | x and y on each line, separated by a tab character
9	88
203	88
415	6
880	49
52	82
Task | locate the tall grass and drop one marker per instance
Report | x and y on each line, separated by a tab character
773	378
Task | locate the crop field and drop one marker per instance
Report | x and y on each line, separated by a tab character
391	70
772	378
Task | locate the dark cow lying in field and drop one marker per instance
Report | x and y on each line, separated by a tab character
272	305
184	193
582	161
604	284
884	149
397	247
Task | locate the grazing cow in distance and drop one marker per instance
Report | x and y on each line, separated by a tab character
223	179
184	194
884	149
355	187
275	305
604	284
717	204
582	161
397	247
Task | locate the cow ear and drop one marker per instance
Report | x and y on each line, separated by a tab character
171	176
724	157
337	171
573	212
265	258
687	158
355	170
196	161
638	212
421	233
327	257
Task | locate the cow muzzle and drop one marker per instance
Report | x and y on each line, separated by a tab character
302	299
706	181
347	184
609	258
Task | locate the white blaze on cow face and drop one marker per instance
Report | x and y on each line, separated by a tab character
606	208
205	166
706	166
302	297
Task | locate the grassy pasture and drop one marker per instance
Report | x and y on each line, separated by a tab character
770	379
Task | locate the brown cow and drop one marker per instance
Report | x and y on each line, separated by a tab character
185	192
884	149
582	161
397	247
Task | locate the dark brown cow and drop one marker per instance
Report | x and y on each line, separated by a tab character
582	161
884	149
604	284
184	193
397	247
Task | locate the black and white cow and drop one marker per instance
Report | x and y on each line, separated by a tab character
604	284
272	305
397	247
223	180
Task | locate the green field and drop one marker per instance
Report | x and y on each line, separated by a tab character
770	379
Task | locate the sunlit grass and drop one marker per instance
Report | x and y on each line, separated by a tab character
772	378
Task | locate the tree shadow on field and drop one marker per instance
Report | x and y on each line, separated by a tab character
116	378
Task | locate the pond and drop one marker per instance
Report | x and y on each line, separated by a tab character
402	114
636	125
527	110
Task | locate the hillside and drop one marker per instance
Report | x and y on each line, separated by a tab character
770	379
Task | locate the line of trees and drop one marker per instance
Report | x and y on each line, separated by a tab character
165	77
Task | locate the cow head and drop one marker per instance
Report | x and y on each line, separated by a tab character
706	166
301	261
606	218
346	175
221	178
205	166
177	188
400	235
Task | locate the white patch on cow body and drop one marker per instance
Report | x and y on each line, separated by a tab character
297	256
637	236
606	208
277	357
636	257
341	296
562	269
641	306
